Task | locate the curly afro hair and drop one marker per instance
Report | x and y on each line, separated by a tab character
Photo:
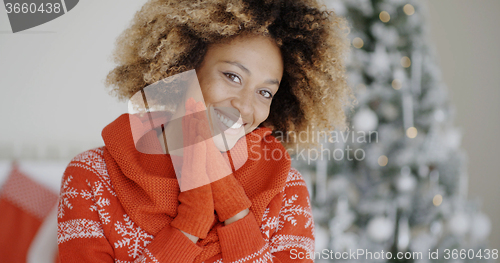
167	37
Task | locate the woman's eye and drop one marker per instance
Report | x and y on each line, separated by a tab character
233	77
266	94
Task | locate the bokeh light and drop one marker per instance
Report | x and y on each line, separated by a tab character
357	42
396	84
384	16
411	132
408	9
405	62
383	160
437	200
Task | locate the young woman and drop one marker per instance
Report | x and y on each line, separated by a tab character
279	65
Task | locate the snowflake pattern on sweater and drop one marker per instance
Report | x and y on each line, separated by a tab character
94	227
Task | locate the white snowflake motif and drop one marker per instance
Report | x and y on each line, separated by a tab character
134	238
310	221
99	202
92	160
269	223
289	211
66	193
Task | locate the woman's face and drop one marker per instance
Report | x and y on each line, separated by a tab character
238	81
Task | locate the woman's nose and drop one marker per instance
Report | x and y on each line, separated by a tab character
242	101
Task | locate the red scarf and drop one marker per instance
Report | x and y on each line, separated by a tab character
147	187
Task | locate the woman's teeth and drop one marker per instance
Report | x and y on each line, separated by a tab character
228	122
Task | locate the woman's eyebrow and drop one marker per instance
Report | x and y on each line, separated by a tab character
239	65
272	82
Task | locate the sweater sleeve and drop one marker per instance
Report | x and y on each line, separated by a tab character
285	236
86	219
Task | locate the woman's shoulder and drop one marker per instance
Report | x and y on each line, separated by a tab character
295	187
89	159
288	218
294	178
88	206
88	167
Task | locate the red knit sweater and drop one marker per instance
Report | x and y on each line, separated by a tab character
94	227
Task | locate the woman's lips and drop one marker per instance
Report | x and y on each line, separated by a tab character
227	125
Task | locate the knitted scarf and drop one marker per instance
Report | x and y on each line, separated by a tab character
148	189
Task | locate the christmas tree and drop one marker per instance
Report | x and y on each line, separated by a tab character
396	181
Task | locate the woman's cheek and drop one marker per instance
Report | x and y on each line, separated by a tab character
264	115
216	91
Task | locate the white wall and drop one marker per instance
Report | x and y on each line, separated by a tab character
466	35
53	101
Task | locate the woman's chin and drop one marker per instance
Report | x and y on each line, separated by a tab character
231	141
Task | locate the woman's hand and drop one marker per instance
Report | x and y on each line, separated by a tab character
191	237
237	217
195	214
230	199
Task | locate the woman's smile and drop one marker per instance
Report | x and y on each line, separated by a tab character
228	123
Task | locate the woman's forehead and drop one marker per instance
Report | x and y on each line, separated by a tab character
250	53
